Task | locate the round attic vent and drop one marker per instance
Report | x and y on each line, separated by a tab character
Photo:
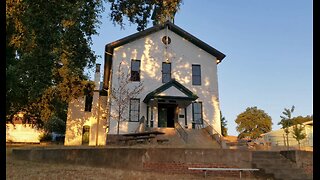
166	40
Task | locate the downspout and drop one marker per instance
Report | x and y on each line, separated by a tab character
97	130
107	78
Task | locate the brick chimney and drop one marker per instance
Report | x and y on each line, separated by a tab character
97	77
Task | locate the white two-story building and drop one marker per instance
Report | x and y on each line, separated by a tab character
178	73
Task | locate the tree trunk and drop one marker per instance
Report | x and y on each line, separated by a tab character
119	118
118	127
288	141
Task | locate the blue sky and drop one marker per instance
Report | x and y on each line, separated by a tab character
268	48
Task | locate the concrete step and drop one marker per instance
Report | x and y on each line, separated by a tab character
265	154
283	172
290	176
172	135
272	161
201	138
279	166
197	138
268	165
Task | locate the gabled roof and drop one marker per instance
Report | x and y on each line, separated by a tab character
219	55
110	47
173	83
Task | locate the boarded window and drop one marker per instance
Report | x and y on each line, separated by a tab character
166	72
88	103
134	110
135	70
196	75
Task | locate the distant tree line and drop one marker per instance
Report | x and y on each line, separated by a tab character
253	122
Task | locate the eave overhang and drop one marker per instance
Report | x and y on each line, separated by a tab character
110	47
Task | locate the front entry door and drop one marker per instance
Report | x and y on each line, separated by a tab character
166	114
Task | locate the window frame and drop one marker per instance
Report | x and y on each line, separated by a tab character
198	75
162	72
201	111
130	109
132	77
88	103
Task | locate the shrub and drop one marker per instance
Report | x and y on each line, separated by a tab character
45	137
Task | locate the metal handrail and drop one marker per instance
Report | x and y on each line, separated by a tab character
214	134
181	131
197	125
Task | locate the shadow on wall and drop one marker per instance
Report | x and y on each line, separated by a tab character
182	54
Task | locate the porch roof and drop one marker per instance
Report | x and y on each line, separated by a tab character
156	94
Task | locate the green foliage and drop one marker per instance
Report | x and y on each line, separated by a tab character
286	120
140	11
47	49
55	124
45	137
298	133
301	119
252	123
224	129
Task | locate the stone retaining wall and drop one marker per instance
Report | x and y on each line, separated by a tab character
171	160
304	159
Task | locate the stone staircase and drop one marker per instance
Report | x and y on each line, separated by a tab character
172	135
200	138
276	166
197	138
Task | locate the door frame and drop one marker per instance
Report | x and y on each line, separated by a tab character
167	106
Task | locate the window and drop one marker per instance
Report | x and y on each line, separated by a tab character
196	75
134	110
88	103
166	72
135	70
197	112
85	134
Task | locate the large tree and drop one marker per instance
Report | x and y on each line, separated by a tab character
252	123
47	49
140	12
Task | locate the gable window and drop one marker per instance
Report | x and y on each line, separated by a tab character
196	74
134	110
166	72
197	112
88	103
135	70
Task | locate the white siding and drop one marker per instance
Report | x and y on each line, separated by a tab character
22	133
172	91
77	118
182	54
